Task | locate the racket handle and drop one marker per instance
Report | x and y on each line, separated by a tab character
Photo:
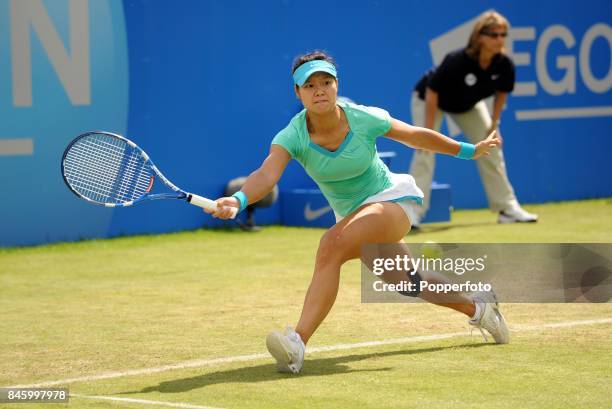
206	203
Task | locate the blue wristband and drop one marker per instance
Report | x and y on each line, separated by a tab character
242	199
466	151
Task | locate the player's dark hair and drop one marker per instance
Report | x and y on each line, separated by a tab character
311	56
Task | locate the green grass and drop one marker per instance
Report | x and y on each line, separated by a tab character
76	309
566	222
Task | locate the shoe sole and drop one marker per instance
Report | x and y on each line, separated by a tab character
510	221
502	323
491	298
278	348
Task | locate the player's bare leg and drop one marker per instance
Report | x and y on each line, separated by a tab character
374	223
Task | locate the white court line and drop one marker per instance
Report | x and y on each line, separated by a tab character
242	358
563	113
144	402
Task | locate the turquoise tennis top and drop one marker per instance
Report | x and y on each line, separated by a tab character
351	173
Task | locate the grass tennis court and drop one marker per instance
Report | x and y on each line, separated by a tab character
80	310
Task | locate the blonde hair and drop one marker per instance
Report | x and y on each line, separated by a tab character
485	22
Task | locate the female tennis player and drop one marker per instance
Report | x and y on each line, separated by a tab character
335	143
458	87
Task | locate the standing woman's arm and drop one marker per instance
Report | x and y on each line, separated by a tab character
498	104
431	106
508	76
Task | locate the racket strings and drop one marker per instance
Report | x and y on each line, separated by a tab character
136	178
107	170
104	183
87	168
87	171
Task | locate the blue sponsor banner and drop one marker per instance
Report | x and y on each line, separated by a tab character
63	71
203	86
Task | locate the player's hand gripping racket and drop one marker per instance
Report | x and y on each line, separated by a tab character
110	170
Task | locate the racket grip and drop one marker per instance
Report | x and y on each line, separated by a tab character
206	203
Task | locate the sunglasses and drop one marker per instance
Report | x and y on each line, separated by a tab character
494	35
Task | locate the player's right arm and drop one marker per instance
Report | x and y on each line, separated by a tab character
259	183
262	181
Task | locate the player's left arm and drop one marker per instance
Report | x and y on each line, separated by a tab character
427	139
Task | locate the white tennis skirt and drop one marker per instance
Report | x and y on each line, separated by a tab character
403	191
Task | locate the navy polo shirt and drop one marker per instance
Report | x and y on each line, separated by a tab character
461	83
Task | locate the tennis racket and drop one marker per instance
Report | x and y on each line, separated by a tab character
107	169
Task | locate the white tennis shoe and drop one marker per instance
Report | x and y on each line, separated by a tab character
516	214
288	350
491	319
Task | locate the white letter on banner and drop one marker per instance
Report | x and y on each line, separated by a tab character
73	71
522	59
597	85
568	83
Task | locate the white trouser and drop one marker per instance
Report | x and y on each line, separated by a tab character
474	124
